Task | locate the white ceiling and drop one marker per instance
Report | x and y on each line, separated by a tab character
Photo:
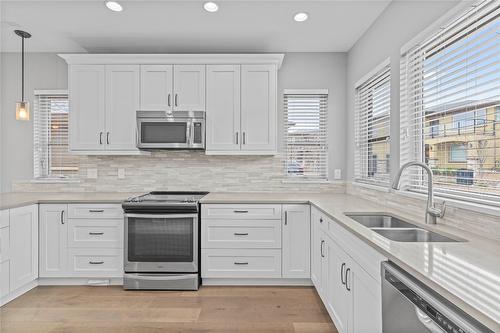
184	27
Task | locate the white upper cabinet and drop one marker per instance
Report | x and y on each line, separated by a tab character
87	107
296	241
189	87
122	102
223	108
156	87
258	107
23	246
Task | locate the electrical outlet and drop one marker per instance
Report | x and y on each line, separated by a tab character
121	173
337	174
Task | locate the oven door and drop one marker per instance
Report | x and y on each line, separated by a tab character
161	243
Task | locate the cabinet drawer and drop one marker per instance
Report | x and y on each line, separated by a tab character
95	262
241	263
4	278
90	211
241	234
241	211
4	218
95	233
4	244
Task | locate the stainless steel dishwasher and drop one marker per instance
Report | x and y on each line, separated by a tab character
411	307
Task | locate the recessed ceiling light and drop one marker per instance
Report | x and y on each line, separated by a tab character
301	17
114	6
210	7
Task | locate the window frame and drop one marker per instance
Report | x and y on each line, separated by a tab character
38	174
323	175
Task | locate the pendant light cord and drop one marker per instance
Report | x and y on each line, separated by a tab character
22	69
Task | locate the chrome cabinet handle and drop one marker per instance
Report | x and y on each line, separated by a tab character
347	274
286	217
240	211
168	100
342	273
176	100
244	138
96	233
96	210
240	263
321	249
107	138
100	138
96	262
236	137
241	233
62	216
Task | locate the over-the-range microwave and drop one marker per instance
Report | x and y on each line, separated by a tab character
170	129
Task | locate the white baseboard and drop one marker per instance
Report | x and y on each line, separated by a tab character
80	281
18	292
255	282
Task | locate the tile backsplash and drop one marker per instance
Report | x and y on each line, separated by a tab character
486	225
180	170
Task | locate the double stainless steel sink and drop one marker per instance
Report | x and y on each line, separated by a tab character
395	229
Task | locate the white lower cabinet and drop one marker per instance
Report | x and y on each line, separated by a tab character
23	246
352	296
4	278
241	263
81	240
296	241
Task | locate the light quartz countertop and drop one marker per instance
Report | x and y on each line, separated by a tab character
466	273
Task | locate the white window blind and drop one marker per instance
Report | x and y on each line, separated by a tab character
305	136
51	156
450	91
372	128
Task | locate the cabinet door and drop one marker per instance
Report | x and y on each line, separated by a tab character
87	107
296	241
122	102
258	107
189	87
338	299
4	278
156	87
315	250
223	108
53	240
366	294
23	246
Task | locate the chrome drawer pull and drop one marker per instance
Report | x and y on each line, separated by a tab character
96	233
240	211
241	263
241	233
96	262
96	210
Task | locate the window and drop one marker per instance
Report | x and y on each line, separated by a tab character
453	79
51	156
372	128
458	153
305	137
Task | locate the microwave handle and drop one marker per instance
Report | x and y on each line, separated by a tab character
188	132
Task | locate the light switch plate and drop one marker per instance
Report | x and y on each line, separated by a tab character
92	173
121	173
337	174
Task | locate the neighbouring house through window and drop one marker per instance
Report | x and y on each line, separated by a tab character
450	107
51	156
305	134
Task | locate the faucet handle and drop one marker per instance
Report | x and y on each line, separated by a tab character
438	212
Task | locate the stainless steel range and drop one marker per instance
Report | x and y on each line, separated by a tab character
162	241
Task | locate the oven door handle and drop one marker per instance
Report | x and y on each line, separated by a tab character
161	216
155	277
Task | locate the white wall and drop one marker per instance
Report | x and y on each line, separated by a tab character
397	25
48	71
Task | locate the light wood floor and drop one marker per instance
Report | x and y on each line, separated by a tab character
211	309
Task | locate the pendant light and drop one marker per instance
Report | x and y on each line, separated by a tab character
22	107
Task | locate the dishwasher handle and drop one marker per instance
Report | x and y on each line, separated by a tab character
443	313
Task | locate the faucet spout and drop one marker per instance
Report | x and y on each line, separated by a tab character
432	212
